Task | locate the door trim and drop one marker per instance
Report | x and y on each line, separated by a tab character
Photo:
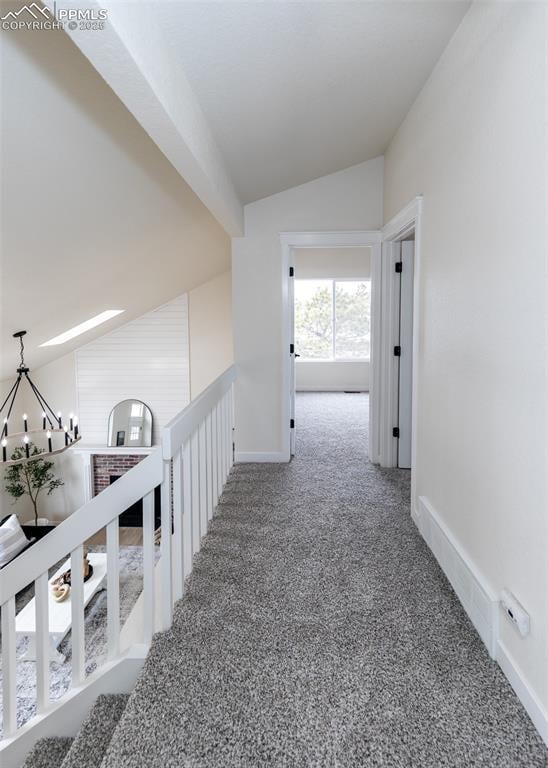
402	224
331	239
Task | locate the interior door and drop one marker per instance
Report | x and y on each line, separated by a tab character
405	385
292	357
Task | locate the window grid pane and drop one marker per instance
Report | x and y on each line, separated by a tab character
314	319
352	314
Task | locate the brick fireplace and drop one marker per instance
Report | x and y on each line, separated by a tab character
105	466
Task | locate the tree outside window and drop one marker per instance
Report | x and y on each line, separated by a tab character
332	319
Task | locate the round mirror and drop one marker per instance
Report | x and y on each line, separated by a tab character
130	424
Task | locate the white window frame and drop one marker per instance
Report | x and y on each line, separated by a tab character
334	358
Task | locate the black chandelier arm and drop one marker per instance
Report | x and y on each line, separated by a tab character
15	390
42	401
15	383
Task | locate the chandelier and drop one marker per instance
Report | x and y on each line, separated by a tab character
53	433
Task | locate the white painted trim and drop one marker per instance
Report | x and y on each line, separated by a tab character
375	353
65	717
480	603
289	240
275	457
407	220
339	388
477	597
334	239
404	221
531	703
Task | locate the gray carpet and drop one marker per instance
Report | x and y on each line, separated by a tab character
90	745
318	630
48	753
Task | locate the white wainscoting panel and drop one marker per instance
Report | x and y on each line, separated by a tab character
146	359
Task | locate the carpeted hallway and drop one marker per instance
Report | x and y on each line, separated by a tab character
317	630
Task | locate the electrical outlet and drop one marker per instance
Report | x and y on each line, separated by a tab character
515	612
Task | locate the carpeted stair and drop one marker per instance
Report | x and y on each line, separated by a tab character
90	745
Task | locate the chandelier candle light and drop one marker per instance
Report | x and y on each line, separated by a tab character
52	422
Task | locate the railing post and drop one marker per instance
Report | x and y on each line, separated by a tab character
231	424
195	492
41	596
167	593
214	454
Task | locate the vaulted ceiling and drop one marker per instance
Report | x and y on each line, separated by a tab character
121	196
295	90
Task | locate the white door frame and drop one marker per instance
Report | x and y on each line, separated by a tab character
343	239
405	222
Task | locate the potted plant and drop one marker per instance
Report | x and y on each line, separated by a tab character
30	479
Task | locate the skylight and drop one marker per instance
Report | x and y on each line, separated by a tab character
83	327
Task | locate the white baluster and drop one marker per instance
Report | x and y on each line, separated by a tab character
113	589
203	479
223	441
9	668
214	447
77	610
209	468
195	492
41	595
231	424
219	450
227	437
166	592
178	525
149	618
187	508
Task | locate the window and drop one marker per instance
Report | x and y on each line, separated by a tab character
134	433
332	319
136	410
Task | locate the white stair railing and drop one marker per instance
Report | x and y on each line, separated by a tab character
191	465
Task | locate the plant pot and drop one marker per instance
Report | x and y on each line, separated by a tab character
34	531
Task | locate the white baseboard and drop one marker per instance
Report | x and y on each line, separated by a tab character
339	388
476	596
480	603
275	457
528	698
66	717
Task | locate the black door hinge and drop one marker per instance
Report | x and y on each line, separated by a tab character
397	351
396	432
292	423
291	349
291	271
399	266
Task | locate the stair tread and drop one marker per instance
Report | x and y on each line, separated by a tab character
48	753
93	738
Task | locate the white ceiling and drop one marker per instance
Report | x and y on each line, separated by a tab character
296	90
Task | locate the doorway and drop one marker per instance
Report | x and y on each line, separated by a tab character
330	278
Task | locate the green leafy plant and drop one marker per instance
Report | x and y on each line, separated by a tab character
31	477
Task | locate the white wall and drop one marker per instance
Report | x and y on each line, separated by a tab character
115	227
317	263
210	329
474	144
146	359
348	200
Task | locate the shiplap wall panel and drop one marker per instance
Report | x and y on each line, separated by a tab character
146	359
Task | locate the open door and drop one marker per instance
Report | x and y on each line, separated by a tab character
292	357
405	378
